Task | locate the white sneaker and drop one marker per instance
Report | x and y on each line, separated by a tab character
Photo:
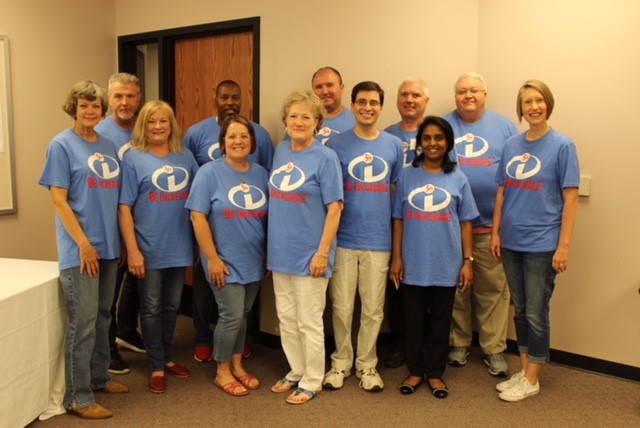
370	380
334	378
503	386
520	391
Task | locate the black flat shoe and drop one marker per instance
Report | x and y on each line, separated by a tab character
440	391
407	388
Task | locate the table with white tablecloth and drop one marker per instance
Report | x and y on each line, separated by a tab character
33	317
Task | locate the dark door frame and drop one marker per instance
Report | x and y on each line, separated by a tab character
165	39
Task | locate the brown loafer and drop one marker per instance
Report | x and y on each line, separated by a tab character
177	370
157	384
115	388
94	411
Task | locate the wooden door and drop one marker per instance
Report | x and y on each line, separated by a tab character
201	63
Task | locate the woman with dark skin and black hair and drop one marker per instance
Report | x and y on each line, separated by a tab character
432	251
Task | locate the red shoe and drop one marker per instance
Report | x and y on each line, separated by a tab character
246	352
157	384
203	353
177	370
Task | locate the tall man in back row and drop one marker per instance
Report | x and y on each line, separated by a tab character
328	86
480	135
202	140
371	161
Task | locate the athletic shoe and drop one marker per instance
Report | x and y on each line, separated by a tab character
497	365
334	378
503	386
370	380
117	364
520	390
458	356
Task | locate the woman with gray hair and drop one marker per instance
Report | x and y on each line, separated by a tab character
82	174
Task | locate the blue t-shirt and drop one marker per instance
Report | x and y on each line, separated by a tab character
91	174
236	204
408	139
369	168
121	137
534	175
156	188
202	140
478	148
336	125
301	185
432	206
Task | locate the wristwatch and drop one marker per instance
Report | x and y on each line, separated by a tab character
470	258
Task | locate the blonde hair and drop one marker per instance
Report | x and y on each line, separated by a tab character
140	140
308	98
539	86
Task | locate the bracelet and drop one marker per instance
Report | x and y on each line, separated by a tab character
326	256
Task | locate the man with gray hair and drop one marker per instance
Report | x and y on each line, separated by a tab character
412	102
480	135
124	102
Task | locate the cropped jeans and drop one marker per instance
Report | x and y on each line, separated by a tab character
531	281
87	354
160	293
234	303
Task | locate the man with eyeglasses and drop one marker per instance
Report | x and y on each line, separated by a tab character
202	140
327	85
371	162
412	102
480	135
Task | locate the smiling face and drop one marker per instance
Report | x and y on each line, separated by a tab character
124	101
367	108
470	98
237	142
534	107
88	113
227	101
327	86
301	123
159	128
434	144
412	101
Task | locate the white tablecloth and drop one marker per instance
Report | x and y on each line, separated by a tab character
33	317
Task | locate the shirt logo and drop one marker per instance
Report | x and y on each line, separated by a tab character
522	167
123	150
287	178
429	198
247	197
170	179
368	168
103	166
214	151
471	146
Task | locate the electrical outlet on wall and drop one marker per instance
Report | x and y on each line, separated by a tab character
585	185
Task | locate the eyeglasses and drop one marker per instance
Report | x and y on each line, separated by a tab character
472	91
363	103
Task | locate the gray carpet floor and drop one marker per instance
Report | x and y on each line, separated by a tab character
568	398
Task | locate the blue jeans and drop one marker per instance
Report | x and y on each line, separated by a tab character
234	303
87	354
204	307
160	293
531	281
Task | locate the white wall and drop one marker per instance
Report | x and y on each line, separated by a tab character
587	51
53	45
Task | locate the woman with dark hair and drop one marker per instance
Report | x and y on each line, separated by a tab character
82	174
432	251
229	206
156	178
533	222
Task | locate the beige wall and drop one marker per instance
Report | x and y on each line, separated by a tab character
587	51
53	45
